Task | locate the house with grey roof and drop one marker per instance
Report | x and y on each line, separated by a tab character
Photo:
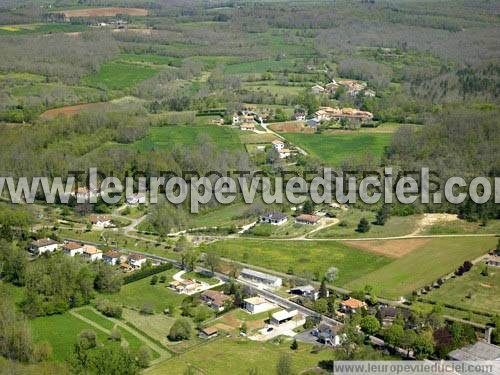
261	278
274	218
480	351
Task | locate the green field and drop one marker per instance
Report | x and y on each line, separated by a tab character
138	293
10	30
218	357
61	332
472	290
301	256
395	226
149	59
168	136
335	148
115	75
260	66
424	265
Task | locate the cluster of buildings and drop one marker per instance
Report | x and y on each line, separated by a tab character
279	146
351	114
279	218
126	262
186	286
352	87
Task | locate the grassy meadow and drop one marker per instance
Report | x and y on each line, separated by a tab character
337	147
116	75
435	258
313	257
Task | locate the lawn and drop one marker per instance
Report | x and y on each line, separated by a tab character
156	326
141	292
168	136
225	215
433	259
313	257
260	66
472	290
464	227
61	332
115	75
287	230
337	147
200	277
10	30
218	357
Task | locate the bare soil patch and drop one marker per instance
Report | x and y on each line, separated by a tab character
390	248
104	12
72	110
291	127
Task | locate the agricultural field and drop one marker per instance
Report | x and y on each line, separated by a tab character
24	29
260	66
302	257
169	136
336	148
103	12
434	258
476	290
217	357
117	75
287	230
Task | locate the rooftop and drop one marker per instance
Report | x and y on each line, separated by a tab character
90	250
480	351
275	215
136	257
309	218
209	330
353	303
284	314
112	254
44	242
72	246
255	300
258	275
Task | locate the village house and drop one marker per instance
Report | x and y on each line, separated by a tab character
135	199
313	123
215	299
386	315
282	316
247	126
307	291
73	248
113	258
279	146
261	278
369	93
352	305
353	87
299	115
91	253
126	268
186	286
208	333
331	87
256	305
307	219
43	245
101	221
328	334
274	218
137	260
329	113
317	89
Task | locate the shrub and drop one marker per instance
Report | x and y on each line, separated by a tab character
108	308
180	330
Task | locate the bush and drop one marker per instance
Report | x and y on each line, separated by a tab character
108	308
147	309
180	330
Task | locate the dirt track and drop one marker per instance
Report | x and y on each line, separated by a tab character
104	12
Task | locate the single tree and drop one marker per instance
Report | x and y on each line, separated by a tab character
363	226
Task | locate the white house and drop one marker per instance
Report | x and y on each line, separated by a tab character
255	305
307	291
43	245
261	278
134	199
329	334
137	260
274	218
101	221
278	145
317	89
91	253
73	248
83	194
112	257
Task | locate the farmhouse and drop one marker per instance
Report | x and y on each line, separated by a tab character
91	253
136	260
261	278
208	333
329	113
282	316
73	248
328	334
387	315
274	218
125	267
112	257
255	305
480	351
101	221
317	89
307	219
187	286
215	299
352	305
83	194
135	199
43	245
331	87
279	146
353	87
299	115
307	291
